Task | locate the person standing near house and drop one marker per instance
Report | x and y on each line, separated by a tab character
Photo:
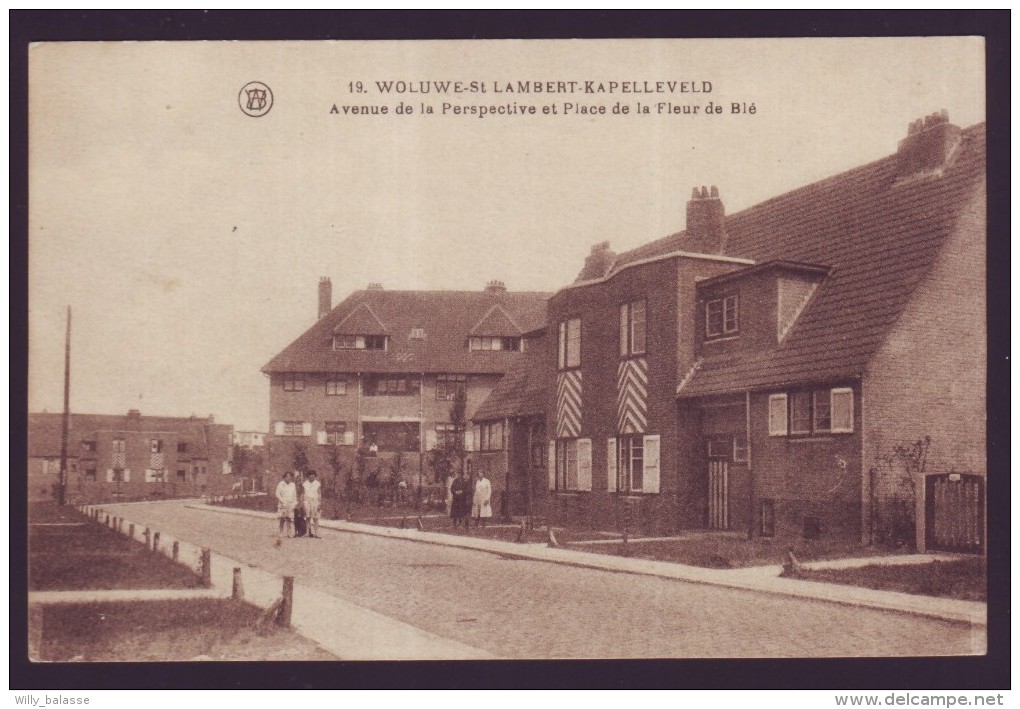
481	508
450	477
461	505
313	503
286	501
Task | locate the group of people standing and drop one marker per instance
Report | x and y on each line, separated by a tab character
298	504
464	501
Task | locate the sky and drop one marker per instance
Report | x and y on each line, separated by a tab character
189	237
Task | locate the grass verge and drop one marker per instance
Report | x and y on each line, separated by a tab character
963	579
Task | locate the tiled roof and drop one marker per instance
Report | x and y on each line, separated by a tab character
44	430
361	321
447	317
880	237
522	390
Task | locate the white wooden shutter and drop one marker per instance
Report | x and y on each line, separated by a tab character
320	437
651	471
109	475
552	465
306	429
841	408
278	428
348	438
127	475
430	440
226	468
611	464
777	415
469	438
584	464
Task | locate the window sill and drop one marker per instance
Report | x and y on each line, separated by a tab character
721	338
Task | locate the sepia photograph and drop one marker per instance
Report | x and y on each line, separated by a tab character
589	349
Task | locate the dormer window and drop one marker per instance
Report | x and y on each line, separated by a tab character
722	317
511	344
359	342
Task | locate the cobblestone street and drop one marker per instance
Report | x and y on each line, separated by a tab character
528	609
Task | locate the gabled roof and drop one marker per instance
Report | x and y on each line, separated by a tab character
880	237
522	390
361	321
496	323
447	317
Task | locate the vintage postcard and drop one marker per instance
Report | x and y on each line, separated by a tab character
507	350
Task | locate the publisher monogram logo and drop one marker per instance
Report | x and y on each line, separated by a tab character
255	99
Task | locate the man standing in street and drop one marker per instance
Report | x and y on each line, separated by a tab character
313	502
286	501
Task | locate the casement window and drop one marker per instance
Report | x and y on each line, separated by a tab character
182	475
509	344
293	382
637	464
182	447
292	428
90	475
444	437
632	328
417	333
572	464
570	344
806	412
447	386
740	449
360	342
491	436
334	433
392	386
336	386
155	446
88	446
118	445
722	317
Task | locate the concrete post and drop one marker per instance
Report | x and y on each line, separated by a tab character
237	592
288	602
206	564
155	541
131	531
148	537
175	551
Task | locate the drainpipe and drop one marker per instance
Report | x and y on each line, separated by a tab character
506	453
750	467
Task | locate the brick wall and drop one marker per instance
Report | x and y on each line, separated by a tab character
928	379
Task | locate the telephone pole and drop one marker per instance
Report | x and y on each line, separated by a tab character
62	495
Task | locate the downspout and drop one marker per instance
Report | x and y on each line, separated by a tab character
509	461
750	467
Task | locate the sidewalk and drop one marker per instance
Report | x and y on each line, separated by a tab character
763	579
345	629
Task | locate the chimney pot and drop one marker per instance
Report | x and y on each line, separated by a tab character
325	296
375	286
706	222
929	144
495	287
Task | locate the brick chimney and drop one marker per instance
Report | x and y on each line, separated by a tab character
597	263
495	287
325	296
706	222
928	147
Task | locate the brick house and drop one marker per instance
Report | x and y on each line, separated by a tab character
382	369
129	457
813	365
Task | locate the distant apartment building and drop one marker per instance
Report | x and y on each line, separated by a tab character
129	457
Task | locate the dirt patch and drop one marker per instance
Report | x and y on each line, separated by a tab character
167	631
965	579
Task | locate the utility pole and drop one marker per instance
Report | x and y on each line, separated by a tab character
62	494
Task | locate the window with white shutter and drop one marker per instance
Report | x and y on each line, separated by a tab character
278	428
651	470
842	410
320	437
611	464
430	440
306	429
777	415
584	464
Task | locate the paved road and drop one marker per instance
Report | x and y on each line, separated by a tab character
529	609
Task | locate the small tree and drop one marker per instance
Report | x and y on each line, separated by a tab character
901	469
448	455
